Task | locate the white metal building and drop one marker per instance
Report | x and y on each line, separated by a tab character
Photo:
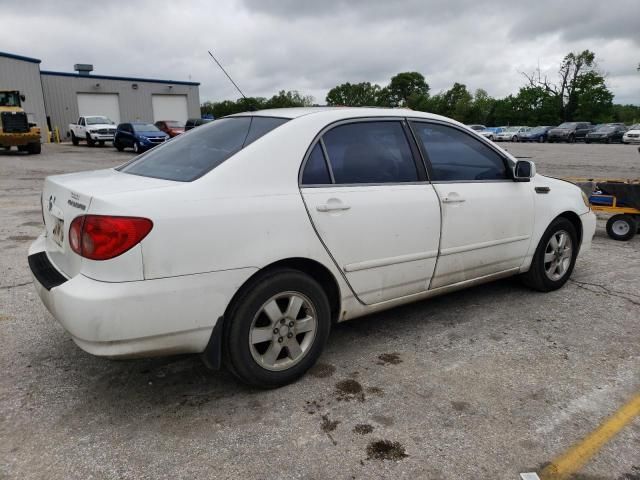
23	74
70	95
56	99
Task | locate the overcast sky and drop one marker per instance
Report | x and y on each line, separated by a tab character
311	46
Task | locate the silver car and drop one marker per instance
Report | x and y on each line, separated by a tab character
511	134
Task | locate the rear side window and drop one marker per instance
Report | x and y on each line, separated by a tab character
370	152
457	156
191	155
262	125
315	170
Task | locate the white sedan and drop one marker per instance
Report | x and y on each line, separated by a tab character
511	134
244	240
632	135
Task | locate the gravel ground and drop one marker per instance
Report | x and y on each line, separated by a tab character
484	383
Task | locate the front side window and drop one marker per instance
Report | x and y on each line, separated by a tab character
457	156
200	150
370	152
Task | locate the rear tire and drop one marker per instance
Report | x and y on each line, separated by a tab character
541	139
622	227
572	139
136	147
551	251
101	143
292	341
74	139
515	139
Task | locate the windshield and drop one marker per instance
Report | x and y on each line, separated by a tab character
9	99
567	125
605	129
98	121
635	127
200	150
173	124
512	129
144	127
538	130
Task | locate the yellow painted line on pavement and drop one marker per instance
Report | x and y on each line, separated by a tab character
573	459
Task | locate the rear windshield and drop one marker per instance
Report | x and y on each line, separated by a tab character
191	155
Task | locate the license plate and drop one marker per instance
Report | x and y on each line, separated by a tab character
58	231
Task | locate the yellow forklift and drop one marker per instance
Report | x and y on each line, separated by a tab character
15	129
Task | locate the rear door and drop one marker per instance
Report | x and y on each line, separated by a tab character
487	218
368	198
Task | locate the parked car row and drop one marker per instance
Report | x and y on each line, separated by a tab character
569	132
140	136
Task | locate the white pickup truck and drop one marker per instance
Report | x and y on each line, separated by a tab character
94	129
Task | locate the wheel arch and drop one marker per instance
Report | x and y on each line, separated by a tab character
574	218
212	355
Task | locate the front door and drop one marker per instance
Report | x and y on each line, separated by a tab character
487	218
369	201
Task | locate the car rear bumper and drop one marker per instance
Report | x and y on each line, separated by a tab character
139	318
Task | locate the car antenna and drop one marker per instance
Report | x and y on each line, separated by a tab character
251	107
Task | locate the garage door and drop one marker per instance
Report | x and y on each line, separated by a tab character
99	104
170	107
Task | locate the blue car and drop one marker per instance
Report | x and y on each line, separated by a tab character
536	134
139	136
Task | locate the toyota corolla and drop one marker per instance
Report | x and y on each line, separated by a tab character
246	239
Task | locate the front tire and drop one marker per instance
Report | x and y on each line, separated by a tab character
515	139
90	141
555	257
622	227
34	148
276	329
136	147
119	147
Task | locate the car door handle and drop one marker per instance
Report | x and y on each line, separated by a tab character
332	207
452	200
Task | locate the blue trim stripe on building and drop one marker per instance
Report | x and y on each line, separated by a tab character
19	57
109	77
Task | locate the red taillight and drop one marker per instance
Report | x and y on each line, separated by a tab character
101	237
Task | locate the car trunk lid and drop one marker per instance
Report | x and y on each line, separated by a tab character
65	197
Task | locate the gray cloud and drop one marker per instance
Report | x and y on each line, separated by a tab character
269	45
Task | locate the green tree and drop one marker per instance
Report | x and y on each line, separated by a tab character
289	98
580	81
594	101
481	107
457	102
358	95
405	85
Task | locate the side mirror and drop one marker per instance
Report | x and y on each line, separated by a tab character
524	171
22	97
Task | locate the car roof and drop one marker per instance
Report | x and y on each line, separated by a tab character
342	112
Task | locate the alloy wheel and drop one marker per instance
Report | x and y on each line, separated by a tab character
283	330
558	255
